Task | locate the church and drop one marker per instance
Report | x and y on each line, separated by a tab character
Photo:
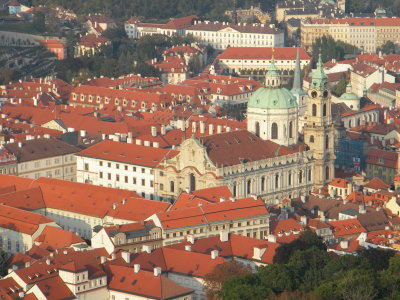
267	159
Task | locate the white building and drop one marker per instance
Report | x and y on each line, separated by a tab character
121	165
223	35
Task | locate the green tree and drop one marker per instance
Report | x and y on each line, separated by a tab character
38	21
194	64
221	273
230	110
278	278
244	287
357	285
4	257
340	87
387	48
306	240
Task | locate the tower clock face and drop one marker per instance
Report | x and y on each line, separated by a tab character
326	93
314	94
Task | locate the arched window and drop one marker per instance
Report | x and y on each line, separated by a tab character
311	139
249	186
290	129
192	182
263	184
234	190
277	181
314	110
327	173
326	142
301	177
289	179
324	110
257	129
172	186
274	131
349	123
309	175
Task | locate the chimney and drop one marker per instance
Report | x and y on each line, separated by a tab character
147	143
138	142
228	129
19	144
258	252
211	129
344	244
27	264
48	262
157	271
303	199
115	205
146	248
153	131
190	238
113	256
224	236
163	130
303	220
188	248
221	199
361	209
136	268
126	256
83	133
214	254
271	238
156	145
202	127
103	259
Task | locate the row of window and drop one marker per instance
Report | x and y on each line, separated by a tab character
118	178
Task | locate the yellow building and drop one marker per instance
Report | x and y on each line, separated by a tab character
365	33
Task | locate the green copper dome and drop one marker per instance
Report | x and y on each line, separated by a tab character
349	95
272	98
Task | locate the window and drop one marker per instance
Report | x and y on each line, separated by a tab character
126	168
301	177
249	186
117	166
327	142
324	110
290	129
277	181
290	179
100	163
172	186
311	139
134	180
314	110
109	165
161	186
263	183
161	173
86	167
257	129
126	179
109	176
101	174
117	177
327	172
151	183
143	182
274	131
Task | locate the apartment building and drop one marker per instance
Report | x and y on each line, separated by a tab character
44	158
246	60
221	35
366	34
121	165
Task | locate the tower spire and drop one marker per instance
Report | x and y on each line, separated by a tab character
272	77
318	76
297	74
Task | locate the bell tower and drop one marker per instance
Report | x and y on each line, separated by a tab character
319	130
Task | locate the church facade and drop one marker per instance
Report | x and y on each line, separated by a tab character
265	160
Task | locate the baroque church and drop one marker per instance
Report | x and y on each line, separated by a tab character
267	159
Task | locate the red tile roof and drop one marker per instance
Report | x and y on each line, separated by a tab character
9	289
376	184
53	238
235	246
339	182
92	40
128	153
54	288
387	159
346	227
228	210
20	220
144	284
359	21
249	28
180	23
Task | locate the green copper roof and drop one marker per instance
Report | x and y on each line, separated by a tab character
318	76
349	96
272	70
331	2
297	88
272	98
